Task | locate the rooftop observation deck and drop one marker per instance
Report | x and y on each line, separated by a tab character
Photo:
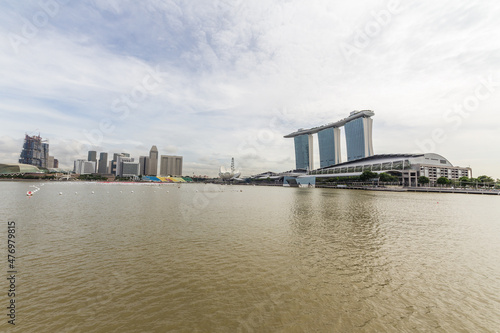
340	123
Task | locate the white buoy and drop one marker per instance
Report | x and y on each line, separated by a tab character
60	193
131	191
76	192
92	192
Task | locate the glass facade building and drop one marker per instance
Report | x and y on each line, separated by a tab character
92	156
103	164
329	146
303	152
35	152
358	134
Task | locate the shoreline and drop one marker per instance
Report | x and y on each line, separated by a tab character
416	189
361	188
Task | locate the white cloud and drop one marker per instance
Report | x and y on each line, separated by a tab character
232	69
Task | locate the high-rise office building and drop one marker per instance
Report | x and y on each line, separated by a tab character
129	169
304	151
92	156
170	165
126	167
153	161
45	154
103	164
84	167
143	165
119	164
35	151
112	164
50	162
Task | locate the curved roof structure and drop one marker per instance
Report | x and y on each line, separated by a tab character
427	158
228	174
16	168
340	123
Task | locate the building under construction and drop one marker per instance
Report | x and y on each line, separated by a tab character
35	151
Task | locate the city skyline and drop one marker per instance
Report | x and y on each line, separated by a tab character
209	81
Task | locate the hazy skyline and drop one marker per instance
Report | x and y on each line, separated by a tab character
211	80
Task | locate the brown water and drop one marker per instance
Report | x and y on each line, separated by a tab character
250	259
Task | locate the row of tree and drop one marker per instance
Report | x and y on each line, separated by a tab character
481	181
366	176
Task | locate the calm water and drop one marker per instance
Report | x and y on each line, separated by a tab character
250	259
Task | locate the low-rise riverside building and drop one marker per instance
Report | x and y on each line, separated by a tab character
406	166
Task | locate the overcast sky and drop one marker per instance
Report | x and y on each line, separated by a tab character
211	80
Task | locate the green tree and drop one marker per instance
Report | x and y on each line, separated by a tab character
423	180
486	180
385	177
463	181
443	181
367	175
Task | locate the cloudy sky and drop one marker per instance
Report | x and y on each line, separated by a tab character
211	80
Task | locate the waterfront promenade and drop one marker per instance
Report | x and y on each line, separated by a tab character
415	189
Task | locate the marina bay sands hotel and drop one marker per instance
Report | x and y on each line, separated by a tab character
358	133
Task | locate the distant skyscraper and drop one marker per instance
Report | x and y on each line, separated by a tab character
50	162
358	133
143	165
129	169
103	163
126	167
56	163
304	151
170	165
84	167
45	154
92	156
119	164
35	151
153	162
329	146
112	164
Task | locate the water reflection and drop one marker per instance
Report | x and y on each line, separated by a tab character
337	241
261	259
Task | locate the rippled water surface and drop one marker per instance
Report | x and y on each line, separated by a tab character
199	258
